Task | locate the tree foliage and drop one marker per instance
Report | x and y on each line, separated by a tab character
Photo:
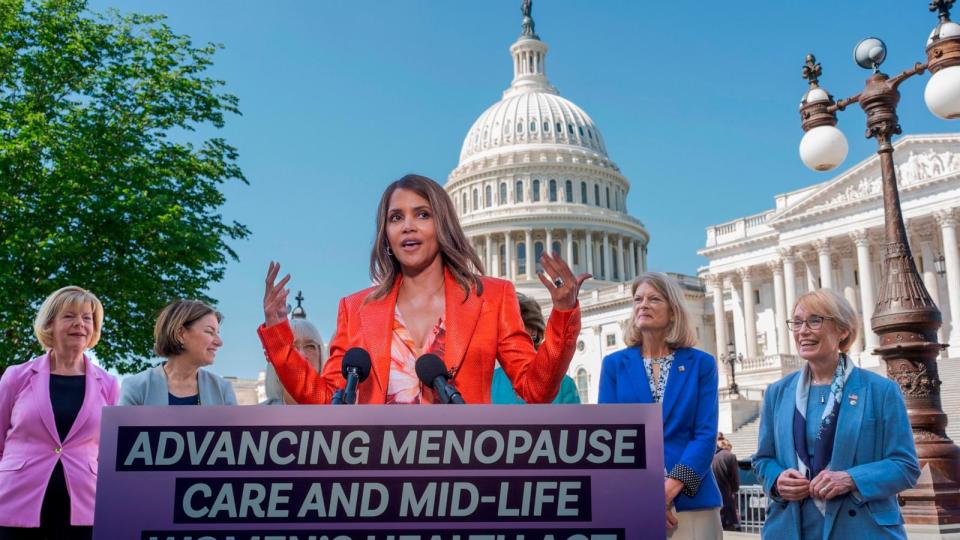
100	184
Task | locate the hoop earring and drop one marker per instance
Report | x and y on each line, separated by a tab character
389	251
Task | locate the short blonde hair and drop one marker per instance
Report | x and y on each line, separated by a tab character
178	314
70	296
304	329
680	333
830	303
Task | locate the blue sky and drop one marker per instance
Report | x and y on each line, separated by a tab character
697	103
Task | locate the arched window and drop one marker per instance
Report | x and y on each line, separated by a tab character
556	248
617	205
608	196
583	192
487	196
603	262
463	206
576	252
519	127
596	194
521	258
537	251
559	128
503	195
583	383
546	126
570	129
476	198
503	260
533	127
568	191
553	190
535	196
580	129
518	191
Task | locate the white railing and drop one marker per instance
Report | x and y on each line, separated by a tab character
787	362
752	508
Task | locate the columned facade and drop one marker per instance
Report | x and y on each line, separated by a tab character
831	235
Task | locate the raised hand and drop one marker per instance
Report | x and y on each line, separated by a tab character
564	286
275	296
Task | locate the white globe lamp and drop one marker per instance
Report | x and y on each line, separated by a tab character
823	148
942	93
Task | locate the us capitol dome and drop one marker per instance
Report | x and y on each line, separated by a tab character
534	172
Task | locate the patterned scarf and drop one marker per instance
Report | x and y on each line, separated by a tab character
823	447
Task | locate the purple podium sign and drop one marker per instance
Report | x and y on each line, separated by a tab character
480	472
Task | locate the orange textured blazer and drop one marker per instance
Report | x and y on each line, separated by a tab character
479	331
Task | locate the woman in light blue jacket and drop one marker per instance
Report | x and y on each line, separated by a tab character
835	443
187	334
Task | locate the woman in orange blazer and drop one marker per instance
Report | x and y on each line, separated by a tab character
429	297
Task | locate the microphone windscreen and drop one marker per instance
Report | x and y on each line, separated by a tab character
429	367
359	359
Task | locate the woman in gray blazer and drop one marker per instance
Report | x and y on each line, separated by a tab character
187	335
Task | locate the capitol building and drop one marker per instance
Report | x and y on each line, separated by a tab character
534	174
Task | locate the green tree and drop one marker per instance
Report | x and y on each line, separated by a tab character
105	181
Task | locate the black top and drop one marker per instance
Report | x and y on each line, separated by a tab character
66	397
189	400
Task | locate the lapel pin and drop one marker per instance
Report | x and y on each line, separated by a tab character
853	399
681	369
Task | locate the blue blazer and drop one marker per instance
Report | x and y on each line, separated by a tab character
690	410
874	444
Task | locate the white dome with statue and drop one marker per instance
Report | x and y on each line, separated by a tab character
534	171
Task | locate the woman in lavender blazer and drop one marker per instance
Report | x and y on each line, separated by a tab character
50	424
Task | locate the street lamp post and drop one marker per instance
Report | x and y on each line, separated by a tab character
731	359
905	318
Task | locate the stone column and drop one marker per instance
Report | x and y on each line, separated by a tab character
588	250
633	259
508	254
570	251
780	307
812	284
529	252
714	283
826	266
951	255
739	327
607	270
548	248
790	289
867	299
848	282
488	254
749	312
620	265
925	237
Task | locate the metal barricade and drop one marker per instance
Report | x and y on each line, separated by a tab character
752	508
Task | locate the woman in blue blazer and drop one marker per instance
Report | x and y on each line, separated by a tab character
660	365
835	442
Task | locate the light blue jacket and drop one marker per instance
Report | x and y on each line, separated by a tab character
149	387
874	444
690	411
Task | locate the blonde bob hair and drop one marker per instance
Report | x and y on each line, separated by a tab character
304	329
680	332
67	297
178	314
829	303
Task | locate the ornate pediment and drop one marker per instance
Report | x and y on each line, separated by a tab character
918	160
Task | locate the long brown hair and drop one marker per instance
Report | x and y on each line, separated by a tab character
458	254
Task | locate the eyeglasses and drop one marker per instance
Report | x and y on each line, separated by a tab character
813	322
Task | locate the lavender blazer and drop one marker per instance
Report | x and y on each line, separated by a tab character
30	445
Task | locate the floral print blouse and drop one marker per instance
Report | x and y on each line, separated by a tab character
657	387
404	386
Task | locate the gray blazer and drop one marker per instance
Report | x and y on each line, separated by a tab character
150	388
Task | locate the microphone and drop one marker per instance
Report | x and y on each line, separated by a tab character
355	369
431	371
